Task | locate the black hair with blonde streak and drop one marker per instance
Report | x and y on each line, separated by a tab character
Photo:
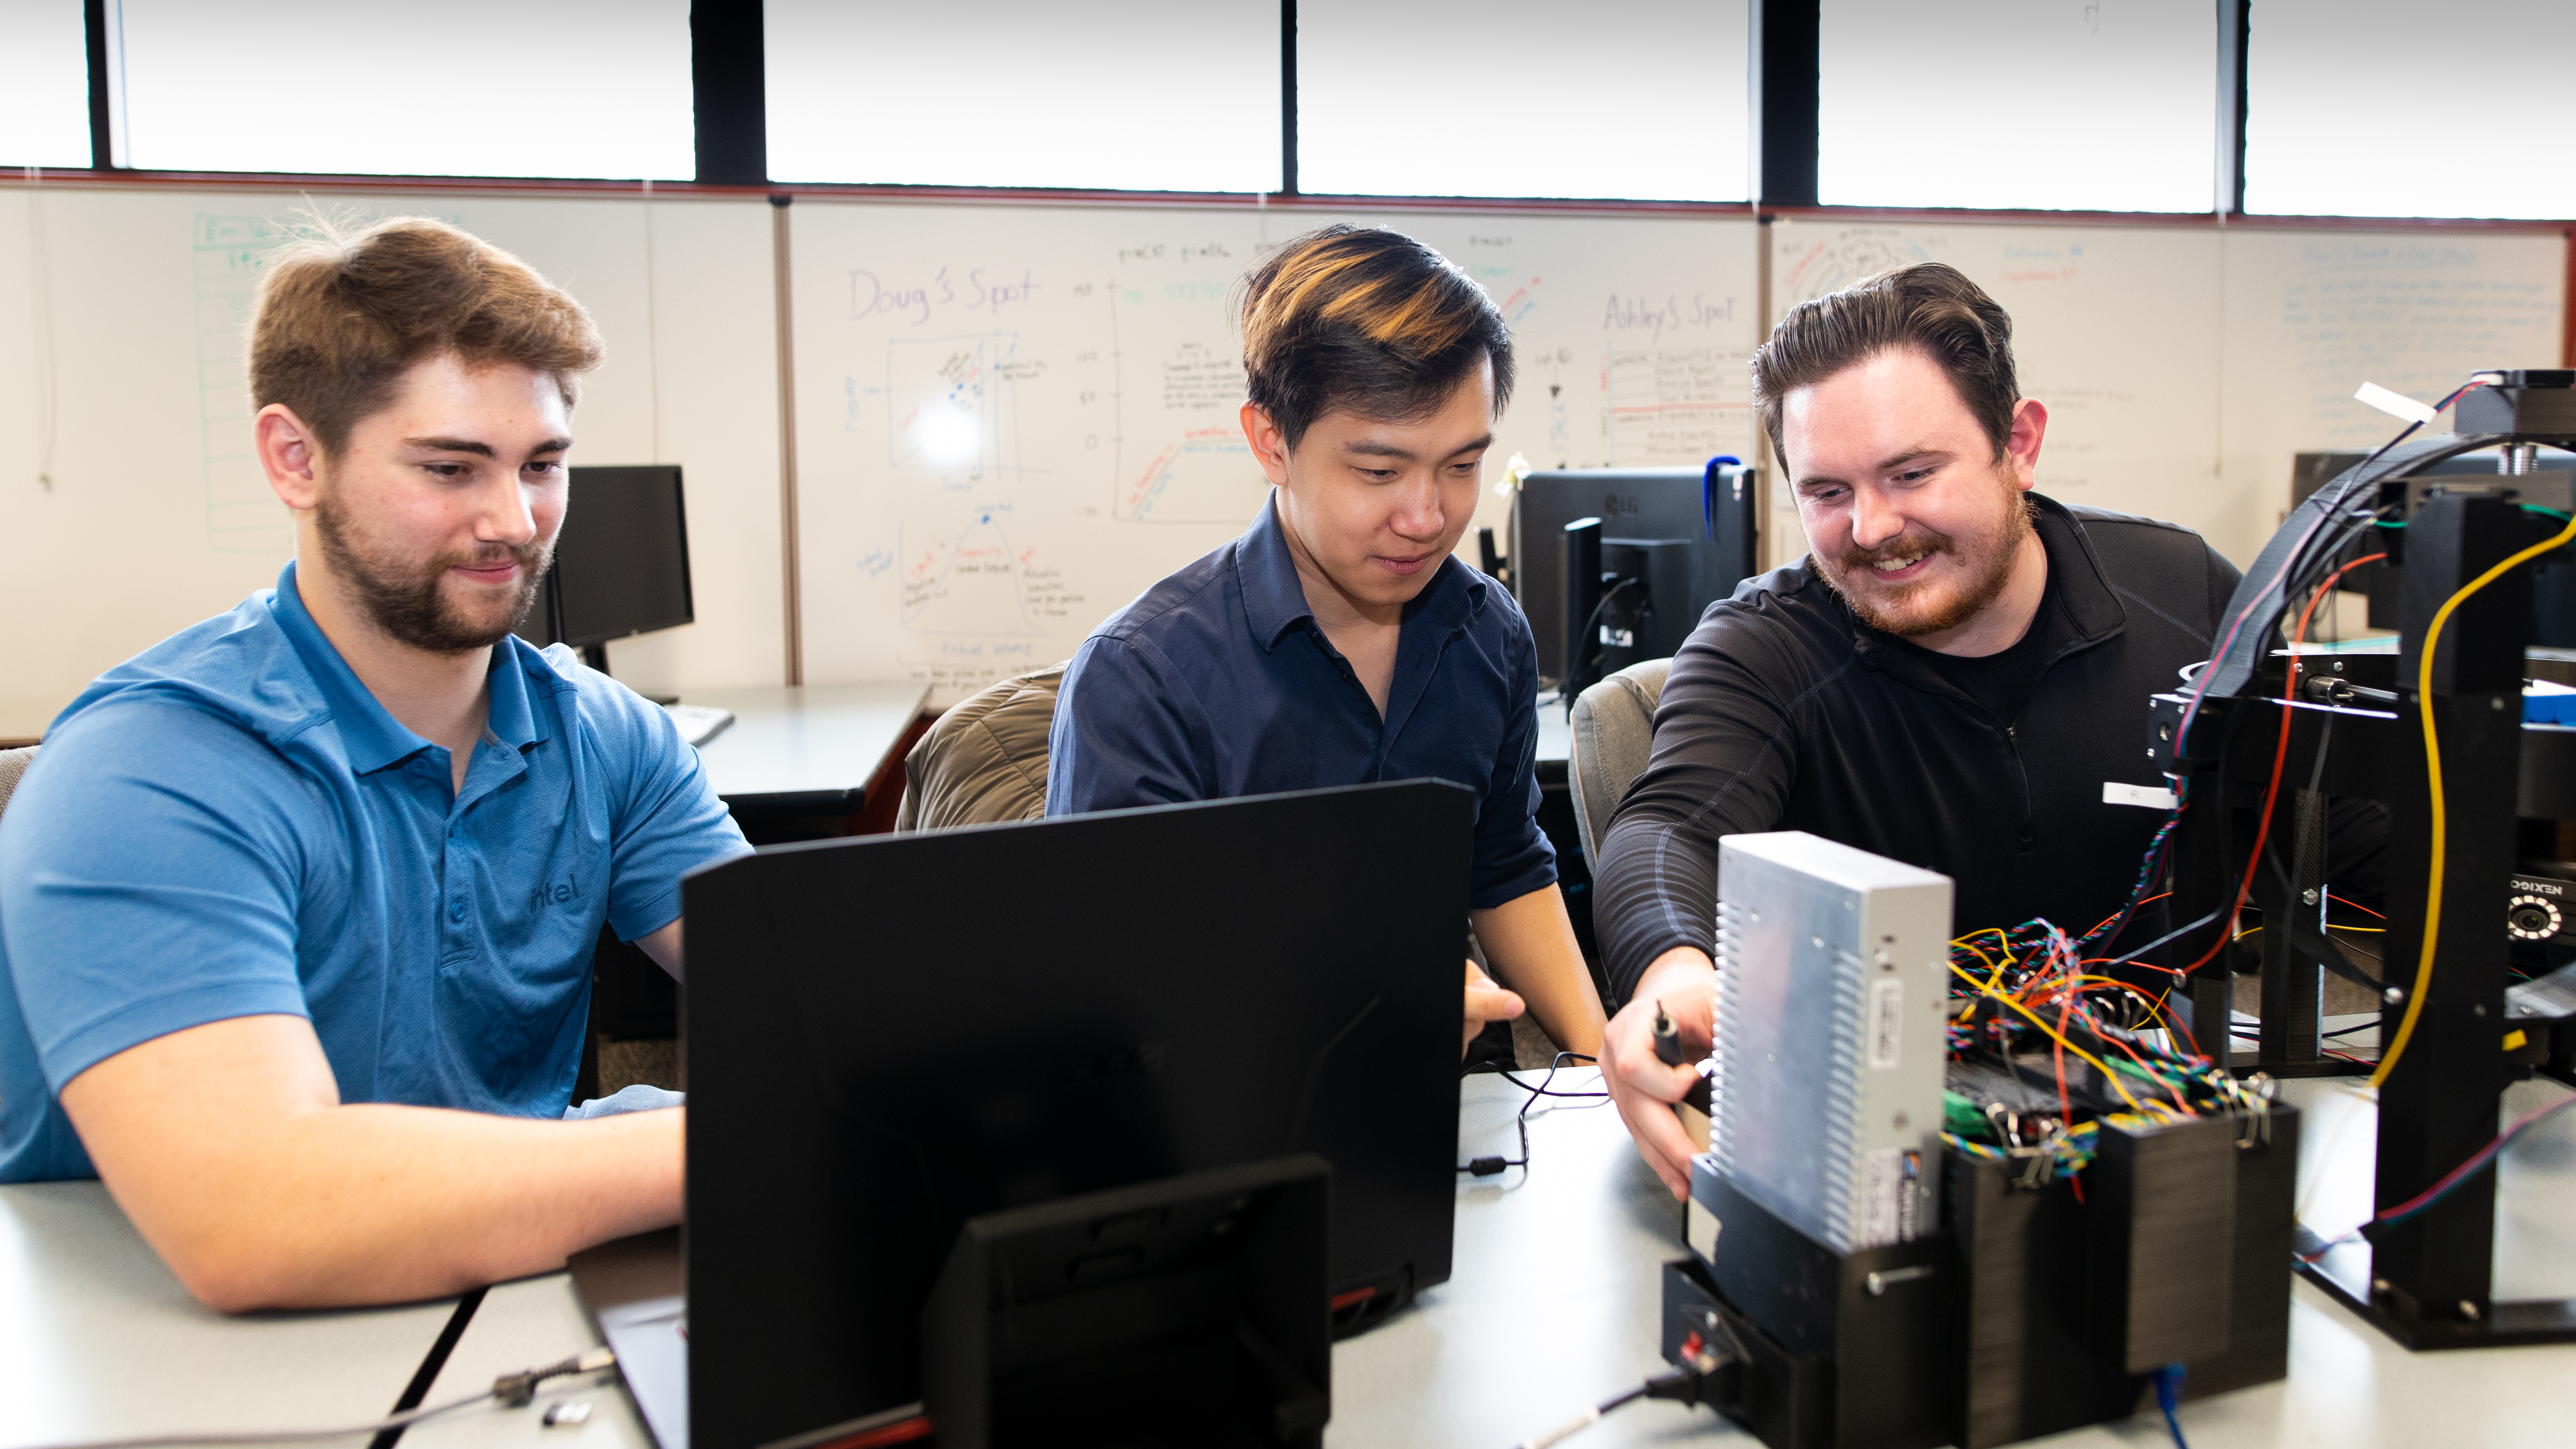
1366	320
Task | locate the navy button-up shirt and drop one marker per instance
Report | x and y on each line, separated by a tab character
1217	682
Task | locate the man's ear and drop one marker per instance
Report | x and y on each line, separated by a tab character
2021	445
290	455
1269	444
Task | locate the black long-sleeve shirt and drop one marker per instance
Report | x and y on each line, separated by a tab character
1785	712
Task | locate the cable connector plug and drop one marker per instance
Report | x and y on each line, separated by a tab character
516	1390
1486	1166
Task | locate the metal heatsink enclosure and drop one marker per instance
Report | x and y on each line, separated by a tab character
1833	974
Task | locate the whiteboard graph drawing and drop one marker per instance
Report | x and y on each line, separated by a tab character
1205	476
952	403
966	581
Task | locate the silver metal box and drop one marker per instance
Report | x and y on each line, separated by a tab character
1833	973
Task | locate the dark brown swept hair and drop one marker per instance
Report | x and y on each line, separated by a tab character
1366	320
1928	305
342	315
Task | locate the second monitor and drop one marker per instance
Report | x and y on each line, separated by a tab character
1679	538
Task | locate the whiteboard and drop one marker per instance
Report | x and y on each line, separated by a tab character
121	380
2313	315
2183	367
1012	420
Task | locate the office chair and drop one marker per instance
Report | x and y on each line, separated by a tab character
13	764
1614	733
985	760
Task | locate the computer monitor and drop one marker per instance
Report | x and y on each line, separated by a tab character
621	562
888	1035
1680	538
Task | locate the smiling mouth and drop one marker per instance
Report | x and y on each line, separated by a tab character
1888	568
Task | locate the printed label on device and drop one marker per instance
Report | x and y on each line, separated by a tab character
1886	1023
1888	1210
2115	793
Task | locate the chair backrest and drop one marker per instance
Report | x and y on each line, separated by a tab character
13	763
985	760
1614	733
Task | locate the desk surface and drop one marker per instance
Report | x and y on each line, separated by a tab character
814	746
1552	1309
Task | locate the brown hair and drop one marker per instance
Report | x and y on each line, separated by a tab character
341	316
1364	319
1927	305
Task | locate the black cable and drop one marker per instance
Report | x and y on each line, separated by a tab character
513	1390
1497	1165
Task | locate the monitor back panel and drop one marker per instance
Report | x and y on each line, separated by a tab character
1632	504
891	1034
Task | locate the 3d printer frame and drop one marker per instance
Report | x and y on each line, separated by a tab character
2356	728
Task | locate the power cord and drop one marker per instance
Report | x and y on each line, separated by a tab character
1497	1165
512	1390
1708	1375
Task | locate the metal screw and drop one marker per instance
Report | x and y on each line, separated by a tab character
2378	1285
2393	995
2468	1310
1901	1121
2309	895
2478	1010
2495	703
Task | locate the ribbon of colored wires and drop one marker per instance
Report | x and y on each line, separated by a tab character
2433	784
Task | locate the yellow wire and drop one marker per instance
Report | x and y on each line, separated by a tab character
2099	1065
2433	778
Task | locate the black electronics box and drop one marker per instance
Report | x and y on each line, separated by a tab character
2032	1311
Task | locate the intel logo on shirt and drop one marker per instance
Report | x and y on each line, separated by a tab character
549	895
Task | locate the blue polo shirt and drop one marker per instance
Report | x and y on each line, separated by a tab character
1217	682
228	825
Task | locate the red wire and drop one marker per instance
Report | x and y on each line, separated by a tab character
2356	905
2280	756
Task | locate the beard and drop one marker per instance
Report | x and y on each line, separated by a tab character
1929	606
405	599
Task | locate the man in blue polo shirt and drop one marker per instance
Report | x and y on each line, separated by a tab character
1338	641
297	906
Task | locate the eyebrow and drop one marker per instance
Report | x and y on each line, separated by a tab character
1893	461
1372	448
481	450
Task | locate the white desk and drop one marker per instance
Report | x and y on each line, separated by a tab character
98	1340
1552	1307
806	750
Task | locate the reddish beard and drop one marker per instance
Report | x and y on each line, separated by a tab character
1931	605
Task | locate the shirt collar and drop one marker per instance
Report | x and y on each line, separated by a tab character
1274	601
373	737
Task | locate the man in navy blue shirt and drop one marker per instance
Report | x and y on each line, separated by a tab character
297	906
1338	641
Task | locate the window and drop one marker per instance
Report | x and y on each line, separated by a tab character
44	84
1147	95
2072	105
2377	108
1640	99
467	88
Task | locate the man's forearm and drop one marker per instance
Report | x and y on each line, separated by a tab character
379	1204
1531	945
228	1147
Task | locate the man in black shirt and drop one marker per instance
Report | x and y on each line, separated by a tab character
1952	676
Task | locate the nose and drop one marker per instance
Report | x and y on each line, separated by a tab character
1417	512
508	515
1874	520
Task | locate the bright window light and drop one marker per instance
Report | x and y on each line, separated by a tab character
1142	95
588	88
2382	108
44	84
1635	99
2058	105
